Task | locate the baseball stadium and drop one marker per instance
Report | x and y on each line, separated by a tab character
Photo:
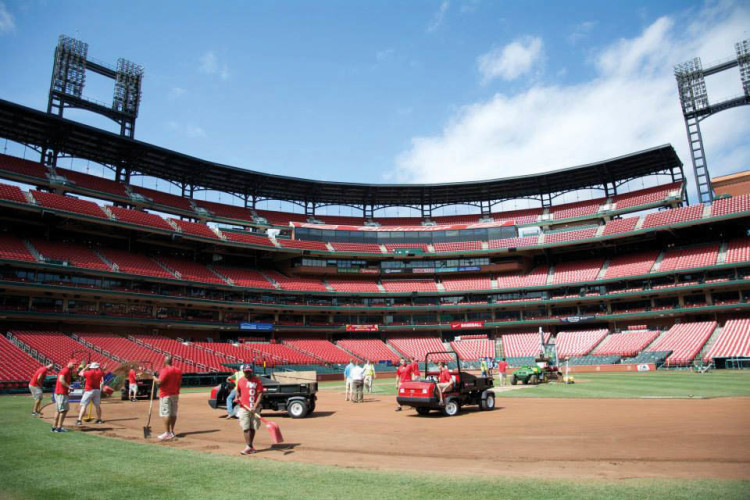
596	348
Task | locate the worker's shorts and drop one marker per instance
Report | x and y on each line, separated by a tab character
249	420
94	396
36	392
61	402
168	406
445	386
349	385
133	389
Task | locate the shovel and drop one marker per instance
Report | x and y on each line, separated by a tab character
147	428
273	430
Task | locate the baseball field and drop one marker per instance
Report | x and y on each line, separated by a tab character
622	435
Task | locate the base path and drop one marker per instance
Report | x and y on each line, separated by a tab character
561	438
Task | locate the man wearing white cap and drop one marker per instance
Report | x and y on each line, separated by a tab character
92	391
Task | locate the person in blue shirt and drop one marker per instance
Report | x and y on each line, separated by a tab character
348	378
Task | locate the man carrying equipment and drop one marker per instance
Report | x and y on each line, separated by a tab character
169	381
62	389
249	393
233	379
91	392
36	388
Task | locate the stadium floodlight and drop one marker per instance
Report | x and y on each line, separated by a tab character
691	87
127	94
69	71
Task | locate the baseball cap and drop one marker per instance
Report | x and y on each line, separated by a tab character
246	368
94	365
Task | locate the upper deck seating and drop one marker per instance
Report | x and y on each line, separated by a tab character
132	263
566	236
12	248
673	216
356	247
733	205
12	193
296	283
165	199
688	258
461	284
93	182
140	218
24	167
526	241
225	211
627	265
458	246
191	271
195	229
646	196
76	255
409	286
577	209
68	204
535	277
620	225
738	250
353	286
577	271
248	278
249	238
303	245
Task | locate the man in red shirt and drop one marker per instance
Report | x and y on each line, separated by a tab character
92	393
169	381
249	394
36	388
445	381
62	389
502	370
403	374
414	369
132	385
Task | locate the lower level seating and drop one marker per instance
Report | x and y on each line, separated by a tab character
685	340
732	342
372	349
474	349
418	347
16	364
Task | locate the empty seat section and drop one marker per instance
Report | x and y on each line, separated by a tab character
76	255
399	221
457	219
578	343
620	225
129	351
738	250
16	364
281	354
68	204
296	283
12	193
353	286
321	349
577	271
130	263
93	182
244	277
474	349
418	347
226	211
200	358
165	199
527	216
458	246
191	271
673	216
231	352
516	345
461	284
526	241
647	196
281	218
356	247
627	343
341	220
249	238
23	167
688	258
564	236
12	248
372	349
303	245
732	342
535	277
60	348
685	340
409	286
140	218
733	205
400	247
195	229
577	209
637	264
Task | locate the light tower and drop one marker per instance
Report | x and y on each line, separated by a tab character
69	79
696	107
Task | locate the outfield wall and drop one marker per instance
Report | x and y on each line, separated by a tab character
642	367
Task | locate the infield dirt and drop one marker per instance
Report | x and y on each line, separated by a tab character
554	438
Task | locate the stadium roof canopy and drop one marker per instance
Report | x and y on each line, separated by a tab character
46	131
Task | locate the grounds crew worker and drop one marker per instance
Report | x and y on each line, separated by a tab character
249	393
35	387
169	380
92	392
62	390
233	379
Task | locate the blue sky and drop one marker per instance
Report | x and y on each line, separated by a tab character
419	91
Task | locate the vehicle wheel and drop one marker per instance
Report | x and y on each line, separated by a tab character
423	411
513	380
451	408
545	378
533	380
297	409
488	403
311	407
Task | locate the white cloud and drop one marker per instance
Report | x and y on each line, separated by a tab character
469	6
512	61
438	17
581	31
7	22
210	65
384	55
629	105
189	130
176	92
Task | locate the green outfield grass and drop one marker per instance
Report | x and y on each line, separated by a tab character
663	384
39	464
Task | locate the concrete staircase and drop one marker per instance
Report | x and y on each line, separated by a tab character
550	275
603	270
657	263
114	267
639	224
216	273
723	249
710	342
33	251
